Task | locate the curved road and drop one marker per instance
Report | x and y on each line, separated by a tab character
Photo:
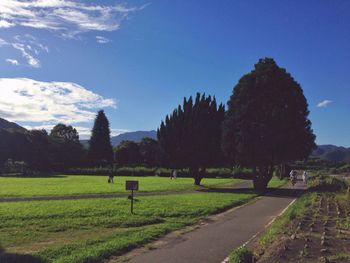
212	242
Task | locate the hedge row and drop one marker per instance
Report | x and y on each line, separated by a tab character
154	171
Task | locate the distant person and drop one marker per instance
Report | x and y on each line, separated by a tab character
292	177
173	174
305	177
110	178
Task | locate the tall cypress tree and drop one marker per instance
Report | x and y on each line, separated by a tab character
190	136
100	148
267	121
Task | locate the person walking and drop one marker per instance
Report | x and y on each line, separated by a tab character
305	177
292	177
110	178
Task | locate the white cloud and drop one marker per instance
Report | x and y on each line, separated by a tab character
102	40
324	103
65	16
84	132
12	61
33	101
2	42
6	24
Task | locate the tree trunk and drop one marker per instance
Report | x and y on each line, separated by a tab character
262	178
197	175
260	184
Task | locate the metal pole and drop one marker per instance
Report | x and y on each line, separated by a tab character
132	201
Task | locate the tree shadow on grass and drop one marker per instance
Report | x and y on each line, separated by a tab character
273	192
33	176
17	258
227	190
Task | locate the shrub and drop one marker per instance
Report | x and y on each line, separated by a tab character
147	171
324	183
241	255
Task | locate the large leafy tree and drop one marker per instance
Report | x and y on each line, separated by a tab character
190	136
66	148
100	148
64	133
267	121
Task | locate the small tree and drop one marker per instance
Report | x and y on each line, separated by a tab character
149	151
100	148
267	121
127	153
66	148
190	136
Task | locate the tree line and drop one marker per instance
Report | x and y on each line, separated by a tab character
266	124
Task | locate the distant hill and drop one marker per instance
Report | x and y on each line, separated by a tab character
332	153
131	136
4	124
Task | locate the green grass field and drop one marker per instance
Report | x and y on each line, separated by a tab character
80	185
90	230
78	230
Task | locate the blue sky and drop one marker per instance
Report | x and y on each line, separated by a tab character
54	68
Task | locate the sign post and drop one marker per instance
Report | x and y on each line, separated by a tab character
133	186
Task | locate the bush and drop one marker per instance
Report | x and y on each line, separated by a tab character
241	255
147	171
242	173
324	183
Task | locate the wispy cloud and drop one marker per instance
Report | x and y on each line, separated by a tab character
12	61
29	47
324	103
102	40
28	100
2	42
67	17
31	60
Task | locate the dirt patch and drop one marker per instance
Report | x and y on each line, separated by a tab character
60	239
315	237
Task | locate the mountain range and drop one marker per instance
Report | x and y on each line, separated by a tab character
5	124
332	153
130	136
327	152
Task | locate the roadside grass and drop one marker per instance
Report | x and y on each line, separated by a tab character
276	182
241	255
340	256
344	201
297	209
94	229
81	185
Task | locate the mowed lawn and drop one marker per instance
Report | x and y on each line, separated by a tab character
93	229
89	230
81	185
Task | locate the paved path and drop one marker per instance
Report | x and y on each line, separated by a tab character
212	243
88	196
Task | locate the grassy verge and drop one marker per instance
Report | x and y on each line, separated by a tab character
276	182
90	230
297	209
80	185
241	255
